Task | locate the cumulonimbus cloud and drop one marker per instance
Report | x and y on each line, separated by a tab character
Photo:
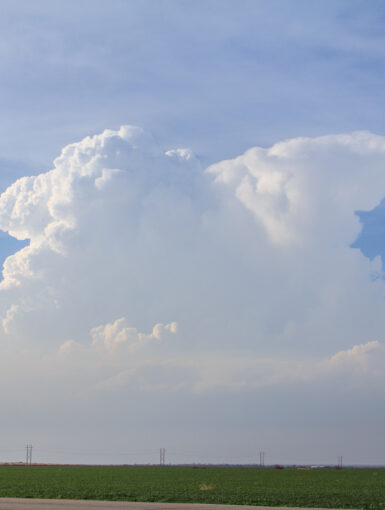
253	253
251	258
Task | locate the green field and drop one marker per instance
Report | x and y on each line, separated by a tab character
346	488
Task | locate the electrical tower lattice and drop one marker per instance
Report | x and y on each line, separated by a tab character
28	459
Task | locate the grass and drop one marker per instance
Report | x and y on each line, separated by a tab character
328	488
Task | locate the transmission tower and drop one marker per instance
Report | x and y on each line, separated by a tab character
339	461
162	456
28	459
261	459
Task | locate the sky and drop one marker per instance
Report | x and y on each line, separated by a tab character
192	231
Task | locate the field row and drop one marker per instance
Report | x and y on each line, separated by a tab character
346	488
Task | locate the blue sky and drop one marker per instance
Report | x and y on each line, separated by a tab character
192	283
216	76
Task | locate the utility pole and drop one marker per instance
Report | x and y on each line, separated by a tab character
261	459
162	456
28	459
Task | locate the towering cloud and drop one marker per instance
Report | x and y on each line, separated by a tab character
252	254
105	227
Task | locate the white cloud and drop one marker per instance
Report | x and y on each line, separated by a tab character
251	258
365	361
123	364
119	337
361	366
102	225
308	187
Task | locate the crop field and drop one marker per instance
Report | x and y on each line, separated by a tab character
346	488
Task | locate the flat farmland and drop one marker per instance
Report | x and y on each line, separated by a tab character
327	488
